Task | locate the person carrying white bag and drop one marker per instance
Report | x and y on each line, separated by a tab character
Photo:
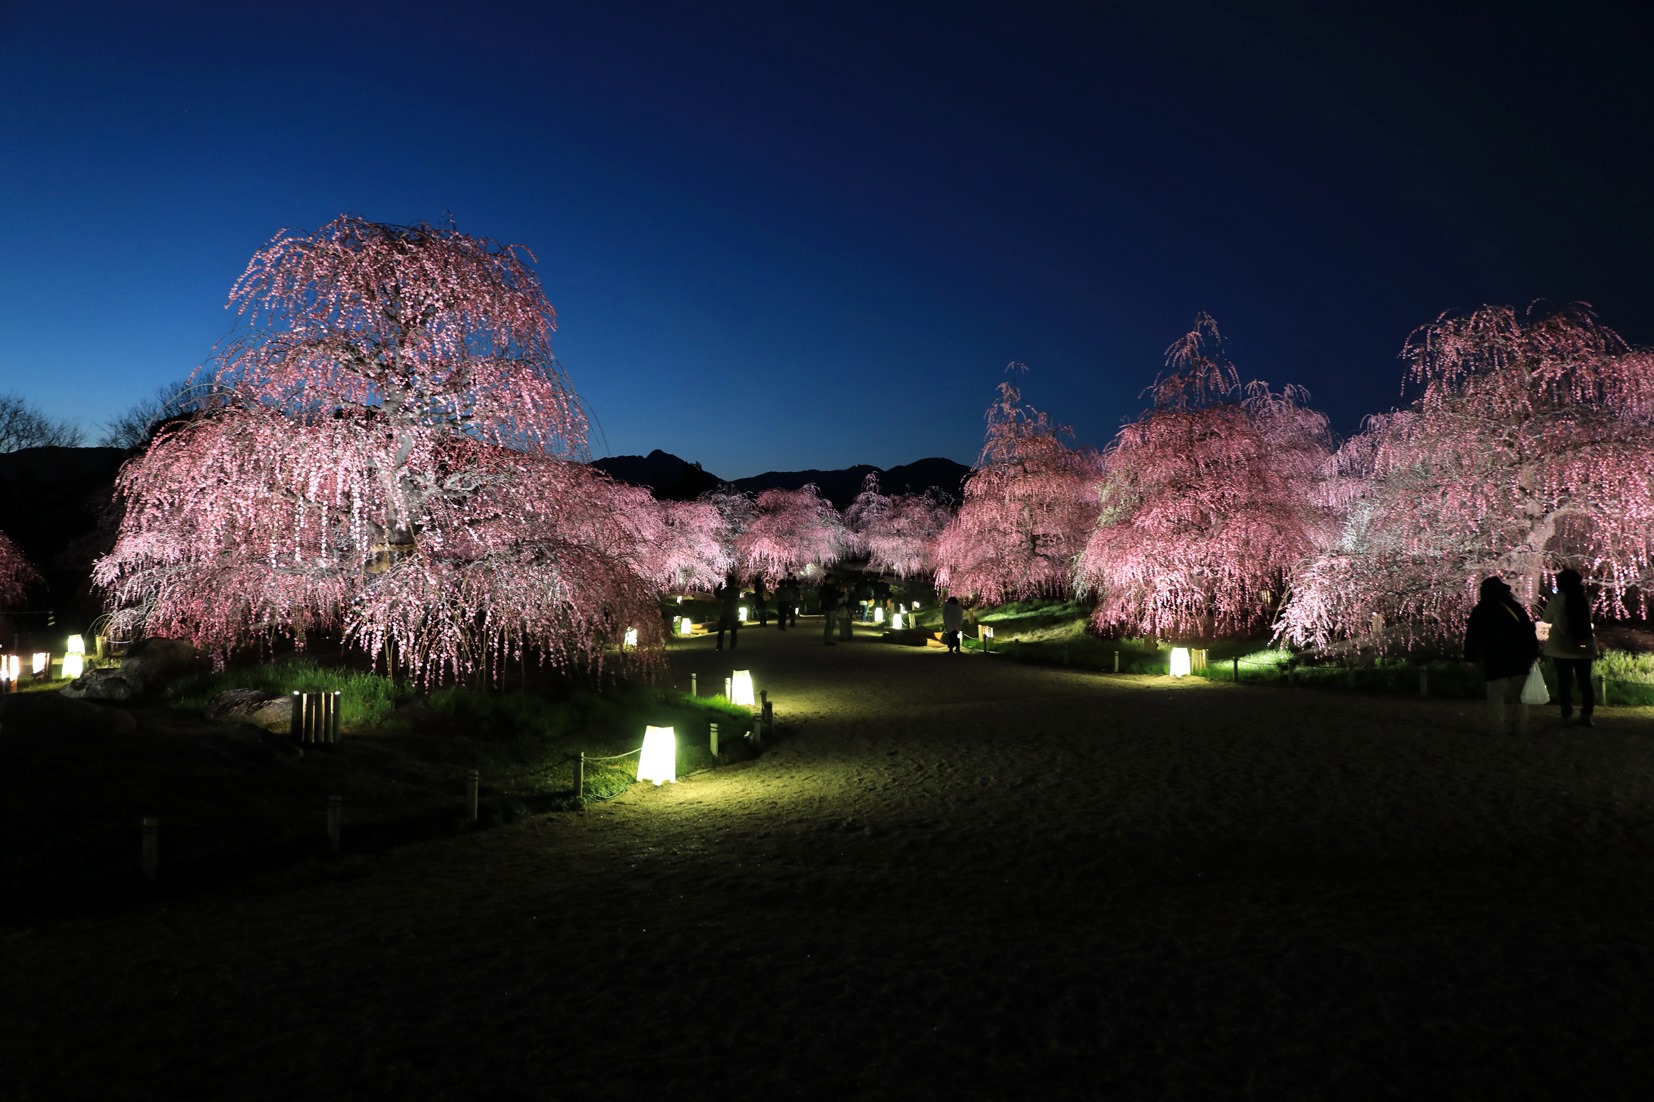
1500	637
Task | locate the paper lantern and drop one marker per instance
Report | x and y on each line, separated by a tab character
631	637
658	763
685	625
74	665
740	688
1180	661
878	615
41	665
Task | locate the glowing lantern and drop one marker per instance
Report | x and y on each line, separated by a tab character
659	760
987	635
11	667
896	621
631	637
1180	661
74	664
685	625
42	664
878	615
741	614
740	688
680	598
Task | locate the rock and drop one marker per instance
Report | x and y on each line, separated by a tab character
252	706
29	718
104	685
153	662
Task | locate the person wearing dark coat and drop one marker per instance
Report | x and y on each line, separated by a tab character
831	597
1500	637
729	612
1571	645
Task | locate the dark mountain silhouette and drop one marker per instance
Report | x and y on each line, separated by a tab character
674	479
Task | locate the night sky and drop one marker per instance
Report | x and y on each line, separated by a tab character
781	236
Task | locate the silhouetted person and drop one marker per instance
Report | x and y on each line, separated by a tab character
831	597
729	612
1571	644
1500	637
953	622
787	597
760	601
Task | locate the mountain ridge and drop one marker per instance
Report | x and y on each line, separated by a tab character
671	478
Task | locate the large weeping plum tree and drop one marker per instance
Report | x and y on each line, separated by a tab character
897	532
1028	505
1529	447
393	458
790	531
16	574
1209	502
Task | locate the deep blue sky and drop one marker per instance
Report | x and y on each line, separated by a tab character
782	235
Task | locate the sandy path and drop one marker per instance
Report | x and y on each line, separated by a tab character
949	877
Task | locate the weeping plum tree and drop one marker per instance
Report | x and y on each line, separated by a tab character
16	575
1209	502
790	530
1028	505
1530	447
693	546
897	532
393	458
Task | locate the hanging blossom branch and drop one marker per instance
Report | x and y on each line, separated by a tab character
1529	447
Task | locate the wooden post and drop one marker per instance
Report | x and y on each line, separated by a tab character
335	819
729	693
768	721
1236	661
471	794
580	780
333	718
693	689
1116	661
713	736
152	846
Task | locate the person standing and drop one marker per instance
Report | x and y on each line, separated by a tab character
1500	637
1571	645
847	609
760	600
729	612
830	597
953	622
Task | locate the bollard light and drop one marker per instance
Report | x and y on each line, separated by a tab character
740	688
1180	661
658	762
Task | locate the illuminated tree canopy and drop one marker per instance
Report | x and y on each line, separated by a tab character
16	574
790	530
1529	448
1208	502
1028	505
395	460
896	532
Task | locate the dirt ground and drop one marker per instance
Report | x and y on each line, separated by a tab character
948	877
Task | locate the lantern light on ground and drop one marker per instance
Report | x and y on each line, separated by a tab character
1180	661
658	763
740	684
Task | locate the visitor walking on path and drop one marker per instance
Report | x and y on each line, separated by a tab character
1500	637
953	622
1571	644
830	597
729	611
